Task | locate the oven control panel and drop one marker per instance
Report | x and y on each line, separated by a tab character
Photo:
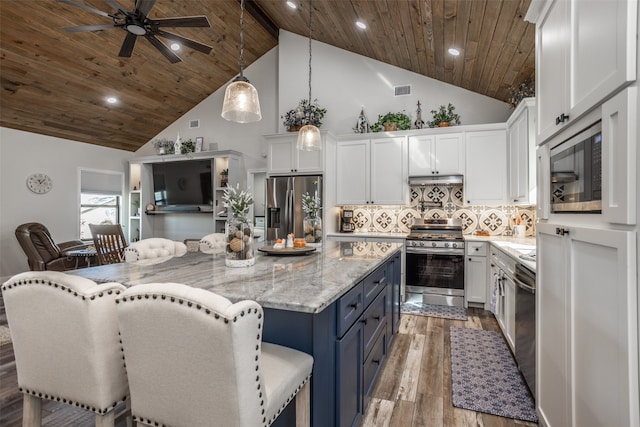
435	244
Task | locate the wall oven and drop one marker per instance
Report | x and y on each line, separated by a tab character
576	172
435	262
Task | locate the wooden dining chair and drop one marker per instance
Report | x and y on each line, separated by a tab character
109	242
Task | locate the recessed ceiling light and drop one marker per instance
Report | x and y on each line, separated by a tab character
453	51
361	25
292	5
175	46
112	100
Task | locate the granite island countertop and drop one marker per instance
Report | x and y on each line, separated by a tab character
304	283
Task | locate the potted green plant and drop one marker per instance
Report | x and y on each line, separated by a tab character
187	146
444	116
305	113
164	146
392	121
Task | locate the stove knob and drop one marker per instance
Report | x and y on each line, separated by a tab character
455	245
421	244
434	244
446	245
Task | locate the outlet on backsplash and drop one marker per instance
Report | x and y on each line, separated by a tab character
496	220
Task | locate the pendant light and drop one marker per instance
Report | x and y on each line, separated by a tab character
241	103
309	135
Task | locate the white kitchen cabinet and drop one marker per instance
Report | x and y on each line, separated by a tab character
284	158
619	146
436	155
371	172
475	287
587	365
585	52
521	150
543	188
485	179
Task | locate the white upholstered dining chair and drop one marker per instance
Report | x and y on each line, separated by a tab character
154	249
214	243
66	343
195	359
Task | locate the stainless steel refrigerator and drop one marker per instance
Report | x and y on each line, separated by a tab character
284	203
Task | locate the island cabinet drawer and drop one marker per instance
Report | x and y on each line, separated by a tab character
374	283
476	248
350	307
373	363
374	319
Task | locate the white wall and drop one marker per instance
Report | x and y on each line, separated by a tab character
343	82
23	153
245	138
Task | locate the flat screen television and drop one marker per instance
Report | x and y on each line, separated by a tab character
182	183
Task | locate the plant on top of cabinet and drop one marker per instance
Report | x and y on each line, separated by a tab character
163	146
305	113
444	116
526	89
391	122
187	146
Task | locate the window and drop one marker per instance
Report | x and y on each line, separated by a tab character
98	209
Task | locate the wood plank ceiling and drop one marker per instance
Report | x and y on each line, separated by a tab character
55	82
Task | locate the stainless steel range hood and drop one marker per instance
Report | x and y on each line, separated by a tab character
435	179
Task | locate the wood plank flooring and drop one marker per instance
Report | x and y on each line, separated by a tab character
414	387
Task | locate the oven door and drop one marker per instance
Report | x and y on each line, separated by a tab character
438	271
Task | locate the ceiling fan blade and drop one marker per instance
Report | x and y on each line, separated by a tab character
113	4
183	21
144	6
81	28
85	7
168	53
127	45
185	41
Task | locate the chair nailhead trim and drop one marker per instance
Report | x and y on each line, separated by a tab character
81	405
57	286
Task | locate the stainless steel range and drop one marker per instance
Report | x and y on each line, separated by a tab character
435	262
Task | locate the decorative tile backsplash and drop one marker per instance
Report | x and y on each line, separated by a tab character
497	220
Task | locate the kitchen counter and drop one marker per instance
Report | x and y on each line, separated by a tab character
512	246
306	283
372	235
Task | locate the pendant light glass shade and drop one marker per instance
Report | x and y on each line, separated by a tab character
241	103
309	138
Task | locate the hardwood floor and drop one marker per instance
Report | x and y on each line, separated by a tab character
414	387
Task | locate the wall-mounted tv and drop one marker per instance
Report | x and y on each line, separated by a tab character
186	182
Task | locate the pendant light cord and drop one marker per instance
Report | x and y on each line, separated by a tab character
241	61
310	28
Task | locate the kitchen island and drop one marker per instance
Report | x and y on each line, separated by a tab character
341	308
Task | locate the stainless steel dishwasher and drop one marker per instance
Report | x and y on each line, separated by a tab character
525	281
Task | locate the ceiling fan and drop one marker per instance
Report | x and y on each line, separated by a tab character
137	23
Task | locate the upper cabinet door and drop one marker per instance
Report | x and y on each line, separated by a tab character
486	171
450	156
309	161
422	152
352	172
585	52
388	171
281	158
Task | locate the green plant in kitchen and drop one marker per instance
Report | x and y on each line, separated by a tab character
239	201
391	122
305	113
525	89
444	116
187	146
163	146
312	224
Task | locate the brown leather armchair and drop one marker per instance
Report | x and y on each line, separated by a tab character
43	253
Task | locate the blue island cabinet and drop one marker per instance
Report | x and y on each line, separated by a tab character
349	341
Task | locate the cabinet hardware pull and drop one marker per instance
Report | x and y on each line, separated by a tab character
562	118
477	249
561	231
377	318
375	361
469	258
354	305
364	321
515	200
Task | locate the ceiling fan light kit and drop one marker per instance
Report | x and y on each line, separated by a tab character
309	138
241	103
136	23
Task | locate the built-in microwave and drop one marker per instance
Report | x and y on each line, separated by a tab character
576	172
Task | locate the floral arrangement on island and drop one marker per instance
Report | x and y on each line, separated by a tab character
312	223
238	230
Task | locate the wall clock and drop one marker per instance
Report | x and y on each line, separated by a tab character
39	183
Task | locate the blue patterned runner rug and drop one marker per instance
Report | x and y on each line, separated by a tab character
485	377
433	310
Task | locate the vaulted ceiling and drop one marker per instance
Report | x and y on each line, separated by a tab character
55	82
